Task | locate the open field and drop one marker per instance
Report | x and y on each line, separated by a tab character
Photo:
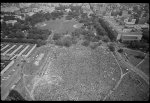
30	67
88	74
131	56
144	66
131	88
59	25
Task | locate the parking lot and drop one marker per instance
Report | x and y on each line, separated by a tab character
9	51
13	49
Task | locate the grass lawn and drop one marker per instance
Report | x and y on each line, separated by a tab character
144	66
131	56
59	25
131	88
92	73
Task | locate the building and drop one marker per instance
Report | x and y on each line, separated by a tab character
30	13
123	32
139	26
67	10
11	22
129	36
132	22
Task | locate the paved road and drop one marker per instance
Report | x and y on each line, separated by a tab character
14	75
50	38
8	83
133	68
46	60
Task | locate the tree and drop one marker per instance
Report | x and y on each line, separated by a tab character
15	96
92	8
19	34
145	35
85	43
109	32
94	45
67	41
11	34
139	56
2	35
78	32
84	15
111	47
89	35
120	50
105	38
31	36
6	18
57	14
57	36
100	30
17	26
4	28
48	16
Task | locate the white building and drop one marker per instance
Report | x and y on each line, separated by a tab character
30	13
11	22
130	23
67	10
123	33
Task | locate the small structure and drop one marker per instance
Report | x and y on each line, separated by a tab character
11	22
130	23
77	25
128	36
68	10
38	59
30	13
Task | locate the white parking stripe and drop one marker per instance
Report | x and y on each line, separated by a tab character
10	64
8	50
13	57
5	47
23	50
30	51
2	44
16	50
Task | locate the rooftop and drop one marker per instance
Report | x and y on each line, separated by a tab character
121	28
